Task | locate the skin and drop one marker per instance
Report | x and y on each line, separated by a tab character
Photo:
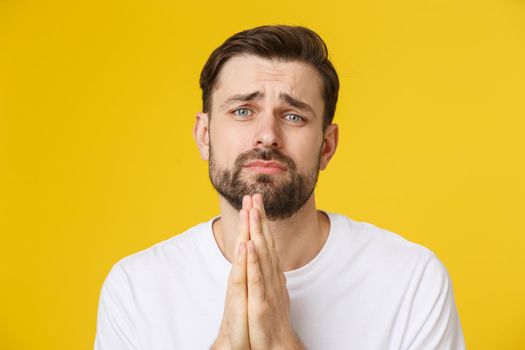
256	314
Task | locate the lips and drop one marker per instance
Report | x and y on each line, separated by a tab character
264	164
266	167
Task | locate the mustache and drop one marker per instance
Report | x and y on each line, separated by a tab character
264	154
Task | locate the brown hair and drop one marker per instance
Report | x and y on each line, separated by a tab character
283	42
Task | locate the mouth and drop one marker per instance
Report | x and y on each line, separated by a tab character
265	167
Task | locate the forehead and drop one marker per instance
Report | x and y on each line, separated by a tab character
247	73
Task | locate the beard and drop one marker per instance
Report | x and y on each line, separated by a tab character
283	195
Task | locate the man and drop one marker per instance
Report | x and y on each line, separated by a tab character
272	271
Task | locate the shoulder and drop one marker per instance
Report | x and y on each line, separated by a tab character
376	242
413	275
162	257
411	272
385	257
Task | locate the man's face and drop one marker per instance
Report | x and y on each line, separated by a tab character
265	133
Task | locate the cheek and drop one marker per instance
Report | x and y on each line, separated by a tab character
306	154
226	149
308	161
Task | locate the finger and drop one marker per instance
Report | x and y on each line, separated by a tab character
247	205
244	227
258	203
238	303
247	202
239	265
268	236
254	275
257	237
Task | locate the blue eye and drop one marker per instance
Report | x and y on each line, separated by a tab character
295	118
242	112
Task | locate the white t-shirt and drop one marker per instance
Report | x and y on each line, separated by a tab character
367	288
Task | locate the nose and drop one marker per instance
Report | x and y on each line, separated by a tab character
267	133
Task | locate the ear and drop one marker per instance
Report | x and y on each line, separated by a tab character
201	134
331	138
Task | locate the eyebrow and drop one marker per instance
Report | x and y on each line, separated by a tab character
243	98
256	95
294	102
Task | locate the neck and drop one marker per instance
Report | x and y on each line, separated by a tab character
298	239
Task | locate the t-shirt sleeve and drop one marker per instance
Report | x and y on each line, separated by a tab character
434	317
116	328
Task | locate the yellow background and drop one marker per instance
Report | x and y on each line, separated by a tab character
97	103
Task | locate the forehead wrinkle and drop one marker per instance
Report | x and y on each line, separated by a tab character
287	97
269	72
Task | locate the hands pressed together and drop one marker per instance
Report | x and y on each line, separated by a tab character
257	307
